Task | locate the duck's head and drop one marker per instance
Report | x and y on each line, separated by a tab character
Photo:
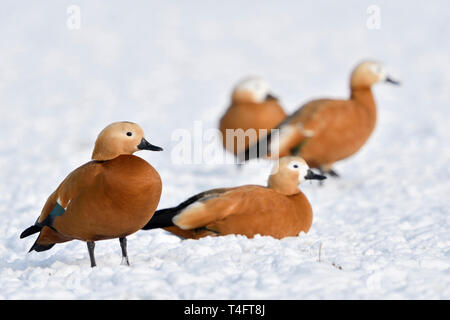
367	73
252	89
120	138
289	172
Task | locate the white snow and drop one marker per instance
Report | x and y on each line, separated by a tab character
383	228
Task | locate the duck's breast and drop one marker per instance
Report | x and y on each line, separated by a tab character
343	128
120	201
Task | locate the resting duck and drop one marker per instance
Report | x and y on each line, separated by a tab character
278	210
253	106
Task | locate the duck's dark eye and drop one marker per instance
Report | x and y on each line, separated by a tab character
295	166
129	134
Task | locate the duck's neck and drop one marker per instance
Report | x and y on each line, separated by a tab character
364	97
284	188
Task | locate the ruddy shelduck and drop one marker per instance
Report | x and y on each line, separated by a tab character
112	196
253	106
325	131
278	210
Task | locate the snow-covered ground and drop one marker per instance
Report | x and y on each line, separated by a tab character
383	227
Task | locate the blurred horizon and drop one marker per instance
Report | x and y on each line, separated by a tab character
146	61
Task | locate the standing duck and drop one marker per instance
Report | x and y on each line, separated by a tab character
278	210
112	196
325	131
252	107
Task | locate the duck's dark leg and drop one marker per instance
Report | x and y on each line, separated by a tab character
333	173
91	246
322	172
123	246
328	170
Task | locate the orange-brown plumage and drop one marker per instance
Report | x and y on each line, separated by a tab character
251	210
252	107
325	131
339	128
111	199
278	210
105	198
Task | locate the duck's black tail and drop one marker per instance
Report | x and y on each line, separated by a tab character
40	247
36	246
30	230
262	149
161	219
259	149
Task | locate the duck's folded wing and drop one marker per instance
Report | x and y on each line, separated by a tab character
306	122
193	213
60	199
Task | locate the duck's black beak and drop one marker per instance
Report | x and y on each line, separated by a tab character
314	176
145	145
392	81
270	96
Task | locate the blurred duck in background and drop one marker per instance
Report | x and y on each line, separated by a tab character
253	106
325	131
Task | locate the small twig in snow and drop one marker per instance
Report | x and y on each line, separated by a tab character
320	250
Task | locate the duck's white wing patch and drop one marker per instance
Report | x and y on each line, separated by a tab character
286	133
186	218
61	203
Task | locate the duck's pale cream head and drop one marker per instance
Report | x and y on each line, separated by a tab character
120	138
252	89
368	73
289	172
